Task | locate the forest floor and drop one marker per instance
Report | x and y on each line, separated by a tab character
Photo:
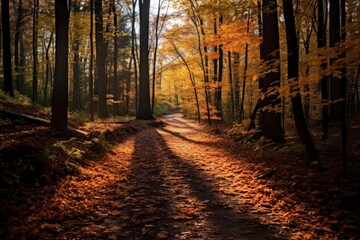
169	179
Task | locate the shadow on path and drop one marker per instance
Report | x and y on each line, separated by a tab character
170	196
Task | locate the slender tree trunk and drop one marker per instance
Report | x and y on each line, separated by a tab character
357	94
220	74
59	107
293	73
192	80
35	52
100	60
47	71
18	37
231	84
144	111
91	76
115	61
76	104
203	57
155	56
335	83
245	69
8	82
261	80
321	43
236	74
134	54
344	133
128	88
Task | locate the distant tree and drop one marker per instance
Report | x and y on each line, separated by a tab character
59	106
100	60
8	83
144	111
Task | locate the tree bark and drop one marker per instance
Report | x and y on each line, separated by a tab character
116	110
76	104
344	125
293	74
35	52
134	54
231	84
245	69
8	81
270	121
100	60
91	76
59	106
335	83
321	43
144	111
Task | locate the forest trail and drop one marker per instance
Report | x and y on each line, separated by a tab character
173	182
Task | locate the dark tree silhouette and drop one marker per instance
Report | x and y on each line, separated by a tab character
59	107
8	83
100	60
144	111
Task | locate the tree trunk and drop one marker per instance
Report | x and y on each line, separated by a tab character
91	78
134	54
203	57
155	55
144	111
321	43
236	74
293	73
47	71
344	133
8	83
128	88
76	62
19	68
270	122
245	69
220	75
231	84
35	52
336	85
100	60
59	107
116	110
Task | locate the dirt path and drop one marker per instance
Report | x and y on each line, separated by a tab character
175	182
